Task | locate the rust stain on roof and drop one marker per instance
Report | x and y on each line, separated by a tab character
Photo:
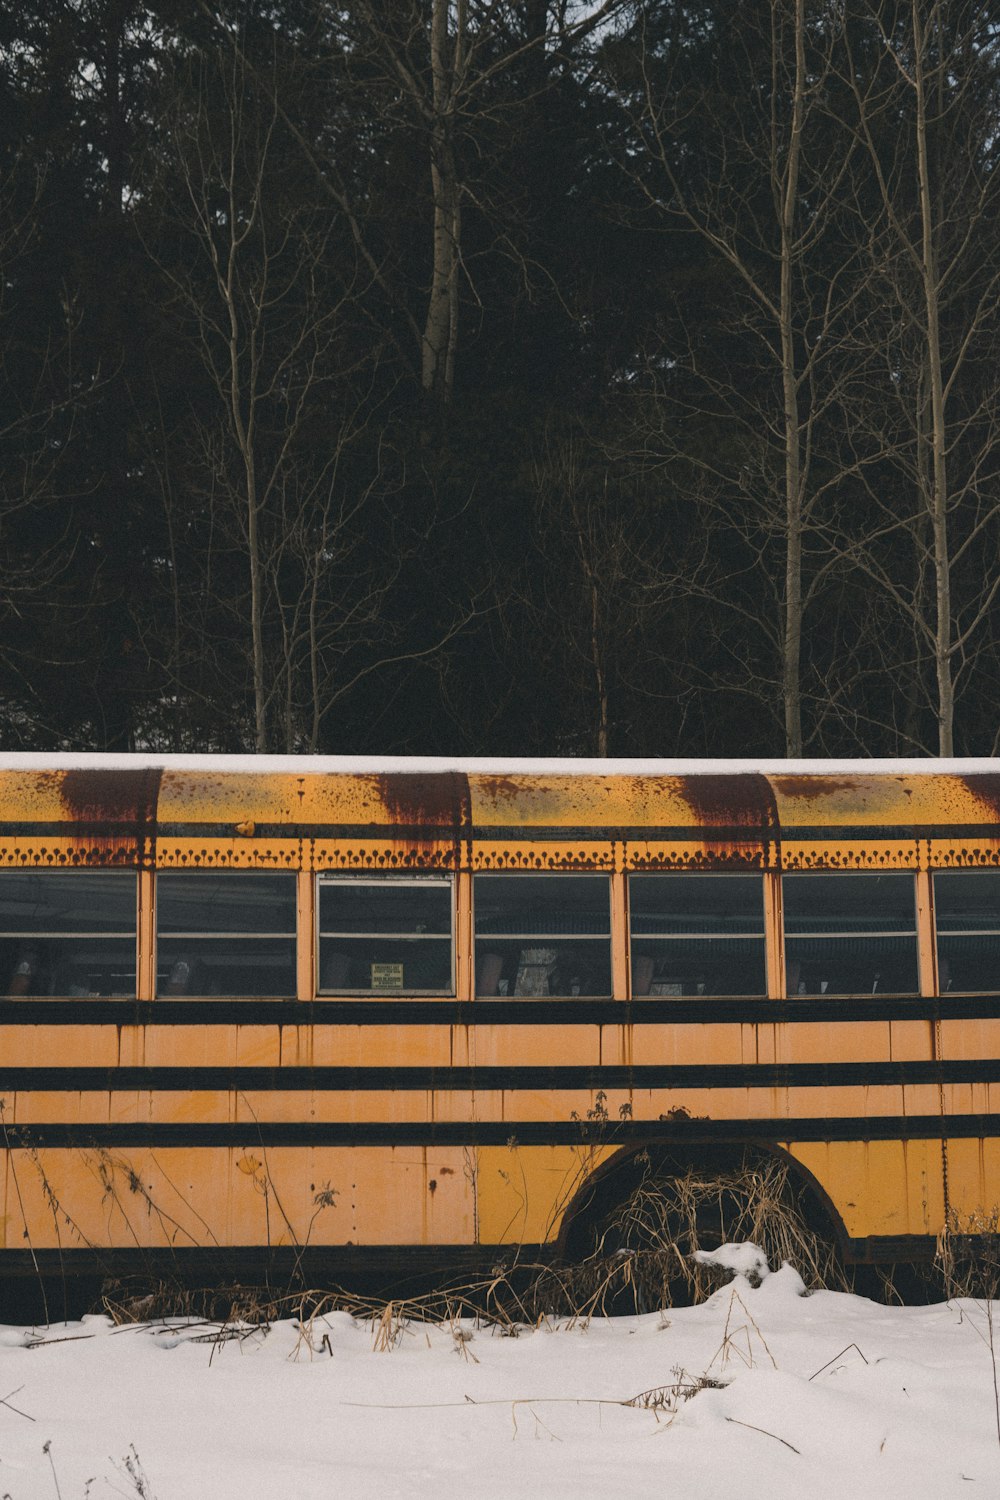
426	799
741	801
108	797
501	788
985	787
812	787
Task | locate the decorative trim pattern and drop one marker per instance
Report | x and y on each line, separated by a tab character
526	857
706	856
849	856
981	855
232	854
58	854
379	854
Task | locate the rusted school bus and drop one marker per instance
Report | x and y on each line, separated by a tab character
356	1013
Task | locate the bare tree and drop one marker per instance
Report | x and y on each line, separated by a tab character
46	393
925	408
758	181
595	588
443	61
283	470
267	299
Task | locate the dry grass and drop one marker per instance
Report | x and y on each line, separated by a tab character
646	1247
643	1260
968	1263
967	1257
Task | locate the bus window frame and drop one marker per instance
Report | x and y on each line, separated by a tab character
939	932
27	937
388	878
563	875
915	934
219	870
688	937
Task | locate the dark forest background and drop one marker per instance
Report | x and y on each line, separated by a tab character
500	378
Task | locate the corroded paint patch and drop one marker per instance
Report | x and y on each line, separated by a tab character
985	787
426	800
109	797
814	787
744	801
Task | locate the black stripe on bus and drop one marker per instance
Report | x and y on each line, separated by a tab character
301	1133
365	1264
446	833
392	1269
755	1011
294	1079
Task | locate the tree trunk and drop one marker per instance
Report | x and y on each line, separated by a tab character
937	491
256	608
244	432
440	336
792	642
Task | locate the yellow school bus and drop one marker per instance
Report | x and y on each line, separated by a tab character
349	1014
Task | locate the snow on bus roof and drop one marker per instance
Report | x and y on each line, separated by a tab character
361	765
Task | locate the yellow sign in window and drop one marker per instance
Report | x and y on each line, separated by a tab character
387	976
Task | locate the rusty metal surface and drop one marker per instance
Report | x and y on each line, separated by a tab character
437	800
422	819
985	788
559	801
78	817
868	798
413	820
744	801
109	797
106	799
616	805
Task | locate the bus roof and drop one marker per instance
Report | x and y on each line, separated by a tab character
366	765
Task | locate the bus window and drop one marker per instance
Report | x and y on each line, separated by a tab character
225	932
967	915
67	932
385	935
543	935
697	934
850	934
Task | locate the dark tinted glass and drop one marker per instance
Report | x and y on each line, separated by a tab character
967	900
697	934
225	932
535	904
82	901
225	901
69	967
848	903
850	934
67	932
698	966
385	907
225	966
385	965
967	910
722	905
539	935
385	937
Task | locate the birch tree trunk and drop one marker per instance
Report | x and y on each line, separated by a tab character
936	496
745	202
927	120
792	653
447	94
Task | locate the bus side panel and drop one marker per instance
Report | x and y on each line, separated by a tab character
217	1196
890	1188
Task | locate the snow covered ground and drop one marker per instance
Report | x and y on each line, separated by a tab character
826	1396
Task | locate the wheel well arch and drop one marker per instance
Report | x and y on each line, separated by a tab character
609	1182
